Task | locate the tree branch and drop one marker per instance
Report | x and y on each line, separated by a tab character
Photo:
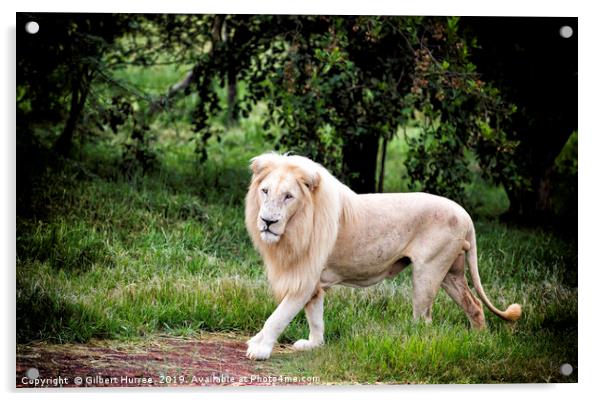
192	75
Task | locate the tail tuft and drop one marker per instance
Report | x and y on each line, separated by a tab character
513	312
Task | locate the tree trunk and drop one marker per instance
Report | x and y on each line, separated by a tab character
383	158
543	201
533	204
231	94
359	163
79	92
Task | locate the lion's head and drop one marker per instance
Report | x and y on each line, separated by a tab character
280	194
292	212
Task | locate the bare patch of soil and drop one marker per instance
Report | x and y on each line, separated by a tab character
211	360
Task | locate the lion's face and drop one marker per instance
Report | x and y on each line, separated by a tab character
280	195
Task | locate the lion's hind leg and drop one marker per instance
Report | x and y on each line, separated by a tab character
314	312
429	270
426	284
456	286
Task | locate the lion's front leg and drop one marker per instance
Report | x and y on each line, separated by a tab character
314	312
261	345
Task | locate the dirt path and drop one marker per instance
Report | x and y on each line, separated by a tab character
210	360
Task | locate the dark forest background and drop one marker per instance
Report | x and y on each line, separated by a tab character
489	97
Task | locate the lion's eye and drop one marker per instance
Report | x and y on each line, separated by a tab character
264	190
288	196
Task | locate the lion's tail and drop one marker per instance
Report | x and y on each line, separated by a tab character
513	312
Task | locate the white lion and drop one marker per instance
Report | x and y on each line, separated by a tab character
314	232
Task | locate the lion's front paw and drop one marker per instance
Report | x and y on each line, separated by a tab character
258	351
256	339
304	345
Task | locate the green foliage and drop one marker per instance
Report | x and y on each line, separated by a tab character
334	88
564	176
69	49
566	162
460	113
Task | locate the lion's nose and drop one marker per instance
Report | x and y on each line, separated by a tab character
269	222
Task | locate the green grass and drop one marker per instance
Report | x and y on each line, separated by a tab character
107	257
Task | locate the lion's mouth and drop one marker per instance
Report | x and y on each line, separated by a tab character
267	230
269	236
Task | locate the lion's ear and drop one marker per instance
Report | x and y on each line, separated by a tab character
262	162
311	180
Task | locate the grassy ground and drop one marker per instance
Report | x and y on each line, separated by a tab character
100	256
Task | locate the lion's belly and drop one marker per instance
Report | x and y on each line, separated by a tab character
366	255
371	262
363	277
381	242
366	265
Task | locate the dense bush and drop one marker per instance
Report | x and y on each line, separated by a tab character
335	88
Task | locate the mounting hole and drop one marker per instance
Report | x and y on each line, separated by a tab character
32	373
566	369
566	31
32	27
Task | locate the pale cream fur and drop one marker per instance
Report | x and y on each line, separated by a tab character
314	232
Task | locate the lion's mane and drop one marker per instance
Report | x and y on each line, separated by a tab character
294	263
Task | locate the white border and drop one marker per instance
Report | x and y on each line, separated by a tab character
350	7
590	269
